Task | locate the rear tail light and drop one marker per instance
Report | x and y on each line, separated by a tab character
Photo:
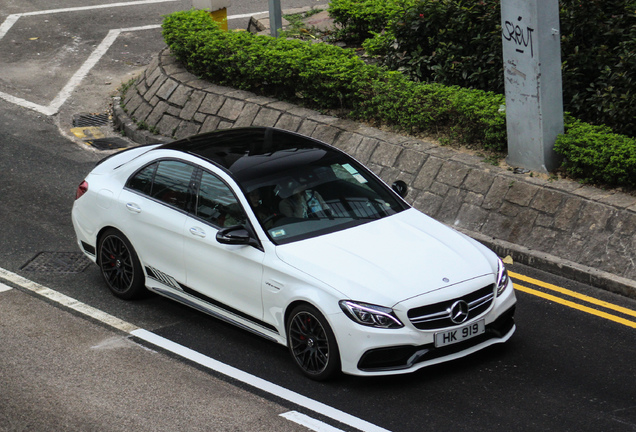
81	189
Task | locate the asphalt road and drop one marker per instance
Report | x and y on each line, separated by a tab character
566	369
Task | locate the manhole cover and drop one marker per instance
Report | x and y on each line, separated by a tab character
108	143
84	120
57	262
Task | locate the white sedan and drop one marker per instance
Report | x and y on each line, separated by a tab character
294	240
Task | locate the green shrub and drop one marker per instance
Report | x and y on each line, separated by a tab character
467	116
326	76
599	61
458	42
361	18
287	69
454	42
596	155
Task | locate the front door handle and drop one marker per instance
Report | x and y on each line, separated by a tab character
133	208
196	231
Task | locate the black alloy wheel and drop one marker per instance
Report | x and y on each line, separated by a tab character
120	266
312	343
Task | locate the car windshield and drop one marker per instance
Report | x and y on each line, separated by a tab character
327	192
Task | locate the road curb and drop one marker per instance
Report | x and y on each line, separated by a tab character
122	122
558	266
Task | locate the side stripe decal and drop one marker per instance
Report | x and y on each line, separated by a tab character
171	282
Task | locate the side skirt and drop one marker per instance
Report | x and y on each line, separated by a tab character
205	307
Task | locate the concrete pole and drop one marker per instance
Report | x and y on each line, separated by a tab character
532	73
216	8
275	17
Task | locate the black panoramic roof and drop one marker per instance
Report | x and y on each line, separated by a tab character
255	152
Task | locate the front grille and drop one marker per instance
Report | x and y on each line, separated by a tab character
438	315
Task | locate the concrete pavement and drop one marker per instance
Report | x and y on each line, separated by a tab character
60	371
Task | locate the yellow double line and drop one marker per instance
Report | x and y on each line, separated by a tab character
573	294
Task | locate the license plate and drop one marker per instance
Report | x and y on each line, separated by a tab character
460	334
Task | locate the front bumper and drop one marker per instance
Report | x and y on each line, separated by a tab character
371	351
407	356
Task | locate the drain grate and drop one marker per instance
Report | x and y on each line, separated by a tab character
57	262
85	119
108	143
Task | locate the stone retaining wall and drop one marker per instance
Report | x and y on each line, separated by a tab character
561	222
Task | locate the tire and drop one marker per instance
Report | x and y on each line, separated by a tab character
312	343
120	266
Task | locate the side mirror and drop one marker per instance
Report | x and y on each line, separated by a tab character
401	188
236	235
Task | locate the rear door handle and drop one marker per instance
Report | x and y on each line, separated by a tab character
133	208
196	231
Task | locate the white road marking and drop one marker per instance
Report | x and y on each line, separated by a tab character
203	360
4	287
254	381
11	19
102	48
92	60
8	23
308	422
67	301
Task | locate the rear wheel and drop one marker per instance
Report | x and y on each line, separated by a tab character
312	343
120	266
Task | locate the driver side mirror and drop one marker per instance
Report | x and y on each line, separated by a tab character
401	188
237	235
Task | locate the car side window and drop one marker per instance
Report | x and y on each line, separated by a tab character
217	204
167	181
142	181
172	180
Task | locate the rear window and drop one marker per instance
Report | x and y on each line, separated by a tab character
167	181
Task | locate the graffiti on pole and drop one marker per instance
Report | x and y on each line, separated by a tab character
521	37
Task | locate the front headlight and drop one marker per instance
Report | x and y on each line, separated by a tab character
370	315
502	278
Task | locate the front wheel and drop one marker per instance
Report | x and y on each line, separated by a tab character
312	343
120	266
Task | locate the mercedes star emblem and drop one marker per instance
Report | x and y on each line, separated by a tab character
459	312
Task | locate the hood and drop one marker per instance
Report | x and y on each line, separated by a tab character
392	259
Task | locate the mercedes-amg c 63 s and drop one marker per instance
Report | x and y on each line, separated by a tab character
296	241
